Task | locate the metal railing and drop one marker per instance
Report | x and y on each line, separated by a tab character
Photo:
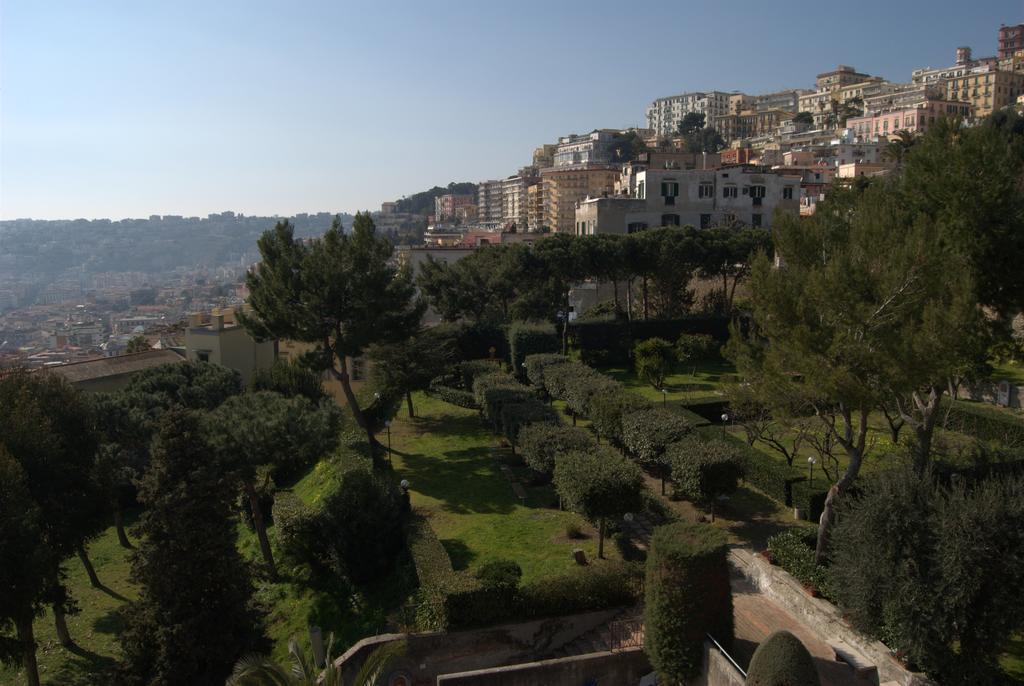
625	633
727	656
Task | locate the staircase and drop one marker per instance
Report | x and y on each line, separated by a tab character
625	630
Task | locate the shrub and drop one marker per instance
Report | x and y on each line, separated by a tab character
782	660
610	342
794	551
484	387
647	433
430	559
447	388
473	368
474	341
984	423
654	360
696	347
599	484
500	573
704	470
908	548
687	597
542	444
516	416
530	338
495	399
583	589
557	377
582	388
299	531
607	410
535	365
364	517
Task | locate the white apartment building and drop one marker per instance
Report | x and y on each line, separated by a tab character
699	198
489	202
665	114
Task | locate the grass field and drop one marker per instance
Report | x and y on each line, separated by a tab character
693	382
454	471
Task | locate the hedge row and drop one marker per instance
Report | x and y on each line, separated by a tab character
535	365
610	342
982	422
540	443
448	388
470	369
530	338
794	552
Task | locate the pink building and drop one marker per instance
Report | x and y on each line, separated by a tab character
914	119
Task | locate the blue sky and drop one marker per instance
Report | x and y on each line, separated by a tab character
125	109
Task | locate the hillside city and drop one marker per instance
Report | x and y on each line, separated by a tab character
733	397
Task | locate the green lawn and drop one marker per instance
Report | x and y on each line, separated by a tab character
696	381
1008	371
94	629
453	468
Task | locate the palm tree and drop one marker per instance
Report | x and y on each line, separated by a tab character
260	670
898	147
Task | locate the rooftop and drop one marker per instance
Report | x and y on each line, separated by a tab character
115	366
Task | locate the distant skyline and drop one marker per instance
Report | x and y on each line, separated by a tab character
127	109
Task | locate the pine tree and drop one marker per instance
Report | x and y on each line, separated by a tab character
194	617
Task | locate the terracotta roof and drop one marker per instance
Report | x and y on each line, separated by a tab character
116	366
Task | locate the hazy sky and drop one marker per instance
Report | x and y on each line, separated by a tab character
126	109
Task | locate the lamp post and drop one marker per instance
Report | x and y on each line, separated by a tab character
810	470
725	420
664	397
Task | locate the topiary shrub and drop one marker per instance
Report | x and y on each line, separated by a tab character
782	660
600	484
530	338
704	470
647	433
687	597
516	416
557	377
541	444
473	368
535	365
364	519
607	410
582	388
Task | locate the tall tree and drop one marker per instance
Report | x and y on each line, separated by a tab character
563	259
194	385
194	617
691	122
410	365
47	427
265	429
340	293
26	563
728	252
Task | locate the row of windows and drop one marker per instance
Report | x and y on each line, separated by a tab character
670	191
673	220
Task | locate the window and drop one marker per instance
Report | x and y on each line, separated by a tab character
641	190
755	220
203	355
636	226
705	221
757	192
706	190
670	220
787	193
729	192
669	191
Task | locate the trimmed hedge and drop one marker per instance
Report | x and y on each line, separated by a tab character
704	470
430	559
782	660
493	389
648	432
542	444
535	365
610	342
607	410
581	389
530	338
517	416
557	377
982	422
473	341
474	368
687	597
445	388
794	551
599	586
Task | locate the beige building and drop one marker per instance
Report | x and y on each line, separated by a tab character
535	206
735	127
986	88
220	339
842	75
489	202
544	156
698	198
564	186
514	198
109	374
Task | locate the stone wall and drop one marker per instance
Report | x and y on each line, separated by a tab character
818	614
624	667
429	655
718	671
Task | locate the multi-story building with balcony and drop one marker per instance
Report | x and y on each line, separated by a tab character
735	127
964	64
515	203
915	119
699	198
842	75
1011	39
665	114
446	206
787	101
987	89
489	202
596	147
562	187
